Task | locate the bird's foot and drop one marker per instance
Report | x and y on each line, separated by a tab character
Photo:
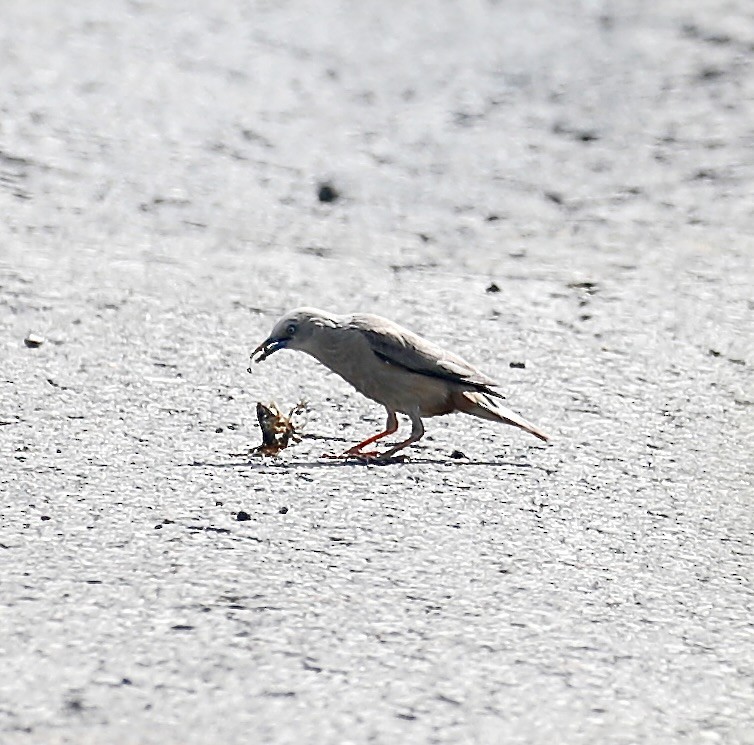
364	455
383	459
377	457
351	454
357	450
338	456
370	456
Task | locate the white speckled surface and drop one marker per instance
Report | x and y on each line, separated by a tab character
159	171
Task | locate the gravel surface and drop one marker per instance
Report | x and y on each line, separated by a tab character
560	191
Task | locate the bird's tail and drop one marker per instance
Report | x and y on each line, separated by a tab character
478	404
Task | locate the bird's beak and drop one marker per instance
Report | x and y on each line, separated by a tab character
267	347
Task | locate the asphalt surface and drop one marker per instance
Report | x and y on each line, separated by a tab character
566	185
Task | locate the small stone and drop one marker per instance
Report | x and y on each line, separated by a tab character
492	288
327	193
45	517
283	510
458	454
34	340
218	430
74	704
517	365
243	516
587	135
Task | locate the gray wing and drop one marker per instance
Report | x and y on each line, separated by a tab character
399	346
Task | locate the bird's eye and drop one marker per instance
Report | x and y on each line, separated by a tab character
290	329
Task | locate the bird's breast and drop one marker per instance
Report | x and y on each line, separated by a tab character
355	363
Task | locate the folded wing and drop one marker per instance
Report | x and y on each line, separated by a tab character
398	346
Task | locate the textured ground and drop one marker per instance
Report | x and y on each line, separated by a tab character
159	173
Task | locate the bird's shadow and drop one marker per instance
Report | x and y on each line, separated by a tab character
260	463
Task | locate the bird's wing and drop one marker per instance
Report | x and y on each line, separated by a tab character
398	346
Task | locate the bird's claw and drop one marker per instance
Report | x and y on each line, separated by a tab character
348	454
370	456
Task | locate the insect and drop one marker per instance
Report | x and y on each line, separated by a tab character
278	430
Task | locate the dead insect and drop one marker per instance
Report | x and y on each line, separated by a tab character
278	430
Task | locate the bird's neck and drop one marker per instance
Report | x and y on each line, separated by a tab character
333	350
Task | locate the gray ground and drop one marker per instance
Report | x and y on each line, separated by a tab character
159	169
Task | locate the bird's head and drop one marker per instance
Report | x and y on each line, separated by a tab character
295	330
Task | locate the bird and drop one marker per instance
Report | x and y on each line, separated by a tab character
393	366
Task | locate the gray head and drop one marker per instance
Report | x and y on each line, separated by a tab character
295	330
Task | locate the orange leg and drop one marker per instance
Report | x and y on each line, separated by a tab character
390	426
417	432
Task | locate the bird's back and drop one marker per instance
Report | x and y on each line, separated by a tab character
398	346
